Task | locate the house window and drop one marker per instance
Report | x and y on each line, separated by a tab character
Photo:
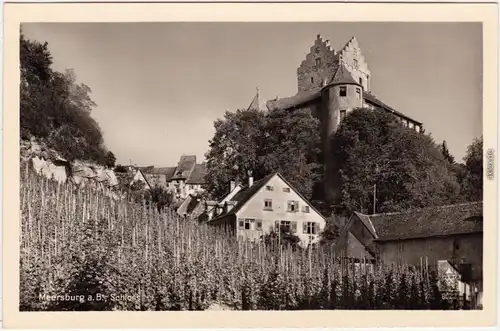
269	188
306	209
268	204
293	206
343	91
285	226
258	225
411	125
318	61
245	223
286	189
310	227
343	113
417	128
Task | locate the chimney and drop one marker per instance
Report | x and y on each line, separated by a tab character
232	186
250	178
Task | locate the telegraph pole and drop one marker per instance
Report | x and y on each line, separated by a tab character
374	197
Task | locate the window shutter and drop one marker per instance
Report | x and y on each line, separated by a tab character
296	209
277	226
316	228
304	227
294	227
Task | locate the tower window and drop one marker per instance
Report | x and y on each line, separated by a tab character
358	93
360	81
343	112
318	61
312	80
343	91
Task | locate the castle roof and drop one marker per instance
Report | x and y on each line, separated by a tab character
342	76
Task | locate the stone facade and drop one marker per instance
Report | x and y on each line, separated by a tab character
320	62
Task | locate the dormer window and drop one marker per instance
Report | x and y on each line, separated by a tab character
343	91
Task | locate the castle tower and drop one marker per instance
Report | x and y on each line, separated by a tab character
339	96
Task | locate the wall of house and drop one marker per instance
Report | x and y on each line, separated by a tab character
466	248
179	187
255	209
311	75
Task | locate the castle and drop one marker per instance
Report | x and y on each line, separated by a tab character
331	84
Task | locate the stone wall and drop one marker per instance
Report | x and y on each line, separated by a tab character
320	63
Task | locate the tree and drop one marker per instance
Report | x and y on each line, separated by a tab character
446	153
234	150
279	141
110	159
160	197
330	233
284	237
407	167
473	178
55	109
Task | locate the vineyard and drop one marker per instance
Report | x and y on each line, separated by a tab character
81	250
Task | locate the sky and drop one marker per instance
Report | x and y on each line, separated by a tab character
159	87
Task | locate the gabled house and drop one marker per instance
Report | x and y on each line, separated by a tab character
186	178
192	206
267	205
428	235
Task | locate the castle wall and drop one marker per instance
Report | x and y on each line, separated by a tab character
311	74
332	105
355	62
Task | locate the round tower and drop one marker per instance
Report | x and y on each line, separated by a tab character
339	97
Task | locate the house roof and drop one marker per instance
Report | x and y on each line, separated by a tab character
429	222
189	205
184	167
198	174
342	76
246	193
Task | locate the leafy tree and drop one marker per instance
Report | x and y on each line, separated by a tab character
330	233
110	159
473	177
279	141
284	236
446	153
120	168
160	197
234	150
407	167
56	109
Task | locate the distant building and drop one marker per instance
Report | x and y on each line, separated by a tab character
453	233
191	206
263	206
186	178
